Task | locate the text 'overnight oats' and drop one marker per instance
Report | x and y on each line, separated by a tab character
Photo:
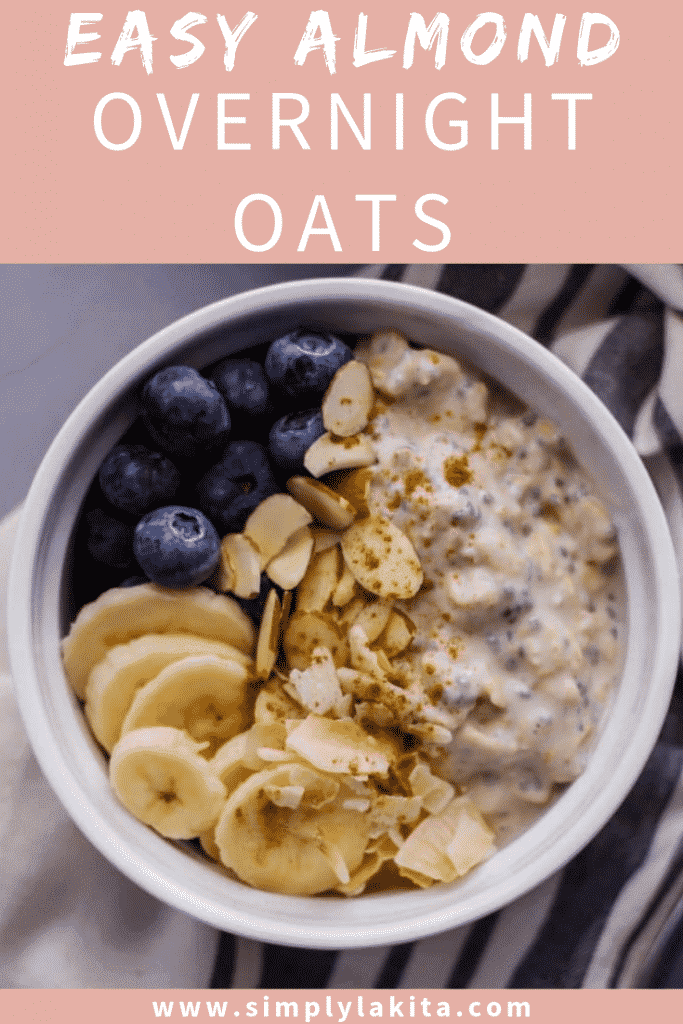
380	669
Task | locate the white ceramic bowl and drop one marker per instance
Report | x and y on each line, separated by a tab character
76	767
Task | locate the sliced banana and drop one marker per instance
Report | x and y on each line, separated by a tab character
204	695
159	775
123	613
237	759
284	830
125	668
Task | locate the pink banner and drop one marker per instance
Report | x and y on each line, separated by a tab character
390	131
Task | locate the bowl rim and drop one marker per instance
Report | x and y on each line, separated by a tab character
329	932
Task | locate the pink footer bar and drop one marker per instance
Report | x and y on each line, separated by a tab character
341	1006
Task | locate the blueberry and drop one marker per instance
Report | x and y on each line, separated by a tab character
230	491
184	412
292	435
301	365
176	546
135	479
243	385
109	540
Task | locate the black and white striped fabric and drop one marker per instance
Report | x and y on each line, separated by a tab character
613	917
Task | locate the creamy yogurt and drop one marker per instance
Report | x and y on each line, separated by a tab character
520	620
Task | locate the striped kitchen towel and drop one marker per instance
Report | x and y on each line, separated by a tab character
601	921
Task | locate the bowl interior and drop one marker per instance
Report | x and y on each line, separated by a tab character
75	765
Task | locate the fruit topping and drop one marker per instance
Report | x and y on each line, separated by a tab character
292	435
176	546
136	480
301	364
184	412
235	485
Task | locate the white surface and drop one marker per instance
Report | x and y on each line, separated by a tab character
62	327
69	756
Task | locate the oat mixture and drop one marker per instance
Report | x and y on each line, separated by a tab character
428	676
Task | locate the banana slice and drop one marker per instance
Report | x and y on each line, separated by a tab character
239	758
160	777
284	830
123	613
206	696
115	680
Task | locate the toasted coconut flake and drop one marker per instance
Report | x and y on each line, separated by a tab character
317	687
436	793
447	845
338	747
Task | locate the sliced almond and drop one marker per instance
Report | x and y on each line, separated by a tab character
348	400
354	485
327	506
241	564
319	581
273	522
351	612
288	568
345	589
225	579
382	558
330	452
373	618
308	630
268	642
398	634
324	539
286	607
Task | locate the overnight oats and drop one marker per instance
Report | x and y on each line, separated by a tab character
368	652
